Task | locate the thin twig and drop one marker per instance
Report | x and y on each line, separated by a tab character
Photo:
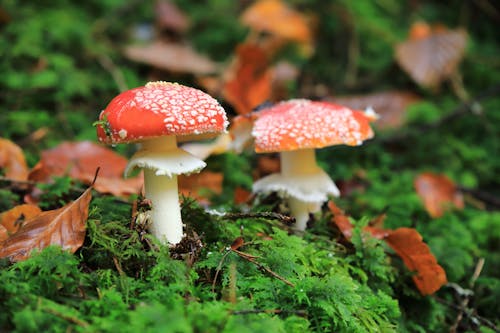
465	302
474	317
288	220
71	319
301	313
251	259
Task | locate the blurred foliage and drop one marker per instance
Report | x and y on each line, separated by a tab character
59	61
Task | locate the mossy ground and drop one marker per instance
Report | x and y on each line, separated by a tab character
122	280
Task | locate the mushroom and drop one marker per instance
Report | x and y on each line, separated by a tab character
157	115
295	128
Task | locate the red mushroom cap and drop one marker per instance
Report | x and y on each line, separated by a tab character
158	109
300	123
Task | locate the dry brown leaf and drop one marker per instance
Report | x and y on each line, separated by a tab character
341	220
172	57
80	160
169	16
190	185
277	18
407	243
10	219
241	195
431	55
64	227
389	105
237	243
12	160
438	193
416	255
251	82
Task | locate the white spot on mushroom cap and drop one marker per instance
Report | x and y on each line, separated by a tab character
122	133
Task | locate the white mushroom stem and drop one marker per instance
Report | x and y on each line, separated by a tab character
162	161
166	222
162	190
298	163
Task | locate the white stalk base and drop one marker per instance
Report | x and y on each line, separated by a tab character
166	223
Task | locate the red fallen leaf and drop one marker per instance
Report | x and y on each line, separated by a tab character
277	18
205	180
169	16
416	255
389	105
9	219
341	220
237	243
12	160
251	81
241	195
79	160
172	57
438	193
64	227
431	54
407	243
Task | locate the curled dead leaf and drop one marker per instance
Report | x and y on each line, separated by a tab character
250	83
438	193
389	105
431	55
407	243
174	57
416	255
64	227
277	18
237	243
201	185
12	160
80	160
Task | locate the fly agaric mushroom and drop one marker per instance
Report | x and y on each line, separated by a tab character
295	128
154	116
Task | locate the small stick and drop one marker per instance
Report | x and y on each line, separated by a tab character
301	313
288	220
251	259
71	319
465	301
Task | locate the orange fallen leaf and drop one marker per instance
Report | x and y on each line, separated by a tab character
341	220
174	57
416	255
277	18
407	243
431	55
194	184
251	82
9	219
79	160
237	243
241	195
389	105
12	160
64	227
438	193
